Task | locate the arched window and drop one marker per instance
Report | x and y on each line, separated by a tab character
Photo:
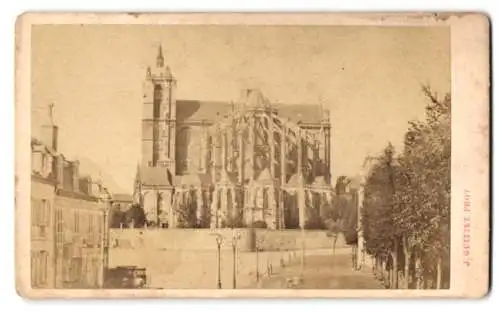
158	95
265	205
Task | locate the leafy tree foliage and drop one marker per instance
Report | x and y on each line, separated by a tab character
116	217
135	216
407	199
340	185
341	216
349	223
314	223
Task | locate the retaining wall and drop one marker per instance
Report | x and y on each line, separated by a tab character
204	239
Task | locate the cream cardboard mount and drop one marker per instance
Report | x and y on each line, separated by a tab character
252	155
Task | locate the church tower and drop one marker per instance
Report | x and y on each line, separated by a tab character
159	116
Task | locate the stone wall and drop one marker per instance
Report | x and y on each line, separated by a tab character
292	240
204	239
177	239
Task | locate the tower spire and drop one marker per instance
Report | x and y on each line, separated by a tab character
159	58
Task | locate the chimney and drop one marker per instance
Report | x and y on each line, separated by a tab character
49	131
95	188
75	171
89	185
60	170
85	185
49	136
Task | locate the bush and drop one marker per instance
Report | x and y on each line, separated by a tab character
135	215
351	237
259	224
233	223
117	218
315	224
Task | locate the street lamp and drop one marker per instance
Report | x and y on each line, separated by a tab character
235	239
334	236
105	200
218	240
256	244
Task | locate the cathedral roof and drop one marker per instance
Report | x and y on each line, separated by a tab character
225	178
300	112
154	176
294	181
265	176
122	197
193	179
168	73
249	172
256	98
195	110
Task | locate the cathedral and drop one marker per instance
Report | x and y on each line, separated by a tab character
242	163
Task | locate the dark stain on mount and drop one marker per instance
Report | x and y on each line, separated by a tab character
134	14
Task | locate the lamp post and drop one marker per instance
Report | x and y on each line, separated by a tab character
256	244
257	263
302	208
105	200
235	239
334	235
218	240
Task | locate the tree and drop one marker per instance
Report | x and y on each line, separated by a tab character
186	210
425	195
341	184
333	218
407	200
382	234
135	216
116	217
334	229
340	216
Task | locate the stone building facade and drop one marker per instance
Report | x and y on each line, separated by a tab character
68	220
225	164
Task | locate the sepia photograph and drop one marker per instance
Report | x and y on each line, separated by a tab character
190	154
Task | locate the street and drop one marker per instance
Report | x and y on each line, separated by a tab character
322	272
198	269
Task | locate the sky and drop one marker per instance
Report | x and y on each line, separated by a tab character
369	77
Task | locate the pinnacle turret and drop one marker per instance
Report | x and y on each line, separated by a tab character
159	58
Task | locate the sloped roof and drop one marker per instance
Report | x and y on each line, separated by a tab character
294	181
223	177
154	176
195	110
194	179
249	172
265	176
45	179
255	98
304	113
122	197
